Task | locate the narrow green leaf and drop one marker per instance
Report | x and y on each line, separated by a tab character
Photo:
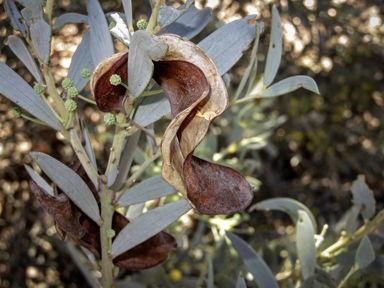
363	197
40	34
305	244
259	28
210	279
18	47
324	277
190	23
144	48
120	31
290	84
126	160
67	18
31	3
39	180
152	108
352	223
275	48
88	144
241	282
27	13
287	205
261	273
308	283
135	211
364	254
152	188
82	59
101	40
127	4
167	14
226	45
16	19
148	225
70	183
13	87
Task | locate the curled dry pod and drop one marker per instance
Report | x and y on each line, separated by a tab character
110	97
197	95
85	232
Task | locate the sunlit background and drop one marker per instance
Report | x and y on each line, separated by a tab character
305	146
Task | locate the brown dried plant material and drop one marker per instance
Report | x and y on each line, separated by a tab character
110	97
197	95
85	232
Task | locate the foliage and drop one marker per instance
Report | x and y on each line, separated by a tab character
245	139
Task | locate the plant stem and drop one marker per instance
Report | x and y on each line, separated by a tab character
53	110
116	150
345	279
136	175
33	119
364	230
107	211
86	99
48	11
68	124
153	20
52	90
149	93
82	155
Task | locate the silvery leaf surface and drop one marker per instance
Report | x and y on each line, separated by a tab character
190	23
226	45
256	265
148	225
13	87
18	47
168	14
31	3
144	48
120	31
40	34
70	183
127	4
101	40
81	59
290	84
152	188
305	244
16	18
39	180
66	18
275	48
27	13
126	160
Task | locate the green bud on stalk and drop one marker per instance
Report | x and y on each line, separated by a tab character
142	24
70	105
109	118
38	88
67	83
17	112
72	92
86	73
111	233
115	79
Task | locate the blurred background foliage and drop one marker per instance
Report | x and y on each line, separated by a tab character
304	146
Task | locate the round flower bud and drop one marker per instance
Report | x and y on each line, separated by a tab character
115	79
72	92
16	112
175	275
142	24
111	233
70	105
112	25
109	118
67	83
86	73
38	88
